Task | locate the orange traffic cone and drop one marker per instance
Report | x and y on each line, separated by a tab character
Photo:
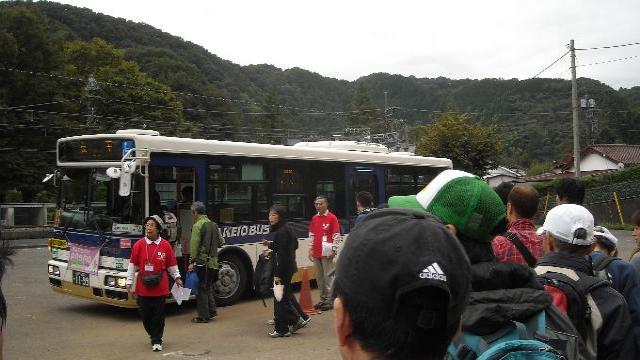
305	294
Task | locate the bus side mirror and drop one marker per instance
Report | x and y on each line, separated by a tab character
128	168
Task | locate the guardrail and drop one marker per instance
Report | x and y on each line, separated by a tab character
25	214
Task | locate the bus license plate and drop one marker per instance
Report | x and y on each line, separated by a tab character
80	278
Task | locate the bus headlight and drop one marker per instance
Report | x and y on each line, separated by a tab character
54	270
115	281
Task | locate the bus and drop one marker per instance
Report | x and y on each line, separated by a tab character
108	183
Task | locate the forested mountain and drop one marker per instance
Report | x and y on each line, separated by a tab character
146	77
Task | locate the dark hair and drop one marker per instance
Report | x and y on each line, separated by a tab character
524	200
280	210
605	243
503	189
398	335
364	198
635	218
571	191
566	248
322	197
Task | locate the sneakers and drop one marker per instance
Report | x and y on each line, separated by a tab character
318	305
271	322
275	334
326	307
156	347
199	320
299	325
213	315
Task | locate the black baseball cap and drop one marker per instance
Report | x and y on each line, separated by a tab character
395	252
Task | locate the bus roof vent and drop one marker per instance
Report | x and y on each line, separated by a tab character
138	132
345	145
407	153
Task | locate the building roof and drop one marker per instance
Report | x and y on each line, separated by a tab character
558	175
619	153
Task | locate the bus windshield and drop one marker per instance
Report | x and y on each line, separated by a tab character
90	201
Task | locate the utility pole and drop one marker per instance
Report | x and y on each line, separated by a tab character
574	105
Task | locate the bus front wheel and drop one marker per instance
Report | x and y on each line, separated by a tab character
232	280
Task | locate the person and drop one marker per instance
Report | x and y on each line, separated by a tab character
500	292
288	315
6	251
520	243
409	308
635	257
364	205
570	191
568	239
152	257
205	241
503	189
324	232
623	276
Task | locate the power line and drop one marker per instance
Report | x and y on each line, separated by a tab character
610	61
553	63
611	46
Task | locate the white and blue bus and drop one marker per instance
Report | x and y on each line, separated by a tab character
108	183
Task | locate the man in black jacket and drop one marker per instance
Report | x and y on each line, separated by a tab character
568	239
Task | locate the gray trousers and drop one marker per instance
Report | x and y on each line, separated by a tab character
323	268
206	302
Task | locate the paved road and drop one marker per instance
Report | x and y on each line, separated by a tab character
44	324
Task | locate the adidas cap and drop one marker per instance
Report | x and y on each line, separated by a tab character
394	252
569	223
461	199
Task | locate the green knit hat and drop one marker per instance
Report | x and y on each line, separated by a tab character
460	199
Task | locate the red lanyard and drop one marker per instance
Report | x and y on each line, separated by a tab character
146	250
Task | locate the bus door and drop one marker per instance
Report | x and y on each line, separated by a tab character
364	178
174	183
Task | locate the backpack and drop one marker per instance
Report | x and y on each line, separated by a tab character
527	339
576	292
263	278
600	267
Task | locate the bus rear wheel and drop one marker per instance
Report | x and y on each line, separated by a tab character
232	280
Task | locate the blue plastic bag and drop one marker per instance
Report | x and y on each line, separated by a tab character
192	282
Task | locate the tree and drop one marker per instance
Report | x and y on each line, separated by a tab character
363	113
471	147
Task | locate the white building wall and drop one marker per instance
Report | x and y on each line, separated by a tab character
593	162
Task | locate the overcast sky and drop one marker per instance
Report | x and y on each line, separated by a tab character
429	38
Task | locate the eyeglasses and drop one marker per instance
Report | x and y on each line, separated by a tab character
318	203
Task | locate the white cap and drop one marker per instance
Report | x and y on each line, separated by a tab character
605	234
564	221
157	219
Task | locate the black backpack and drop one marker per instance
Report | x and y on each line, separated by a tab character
263	278
576	292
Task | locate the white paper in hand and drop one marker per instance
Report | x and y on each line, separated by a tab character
180	294
176	292
327	248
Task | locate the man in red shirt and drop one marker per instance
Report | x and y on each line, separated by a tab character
323	232
522	205
152	257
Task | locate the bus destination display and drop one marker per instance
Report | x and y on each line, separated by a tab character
93	150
